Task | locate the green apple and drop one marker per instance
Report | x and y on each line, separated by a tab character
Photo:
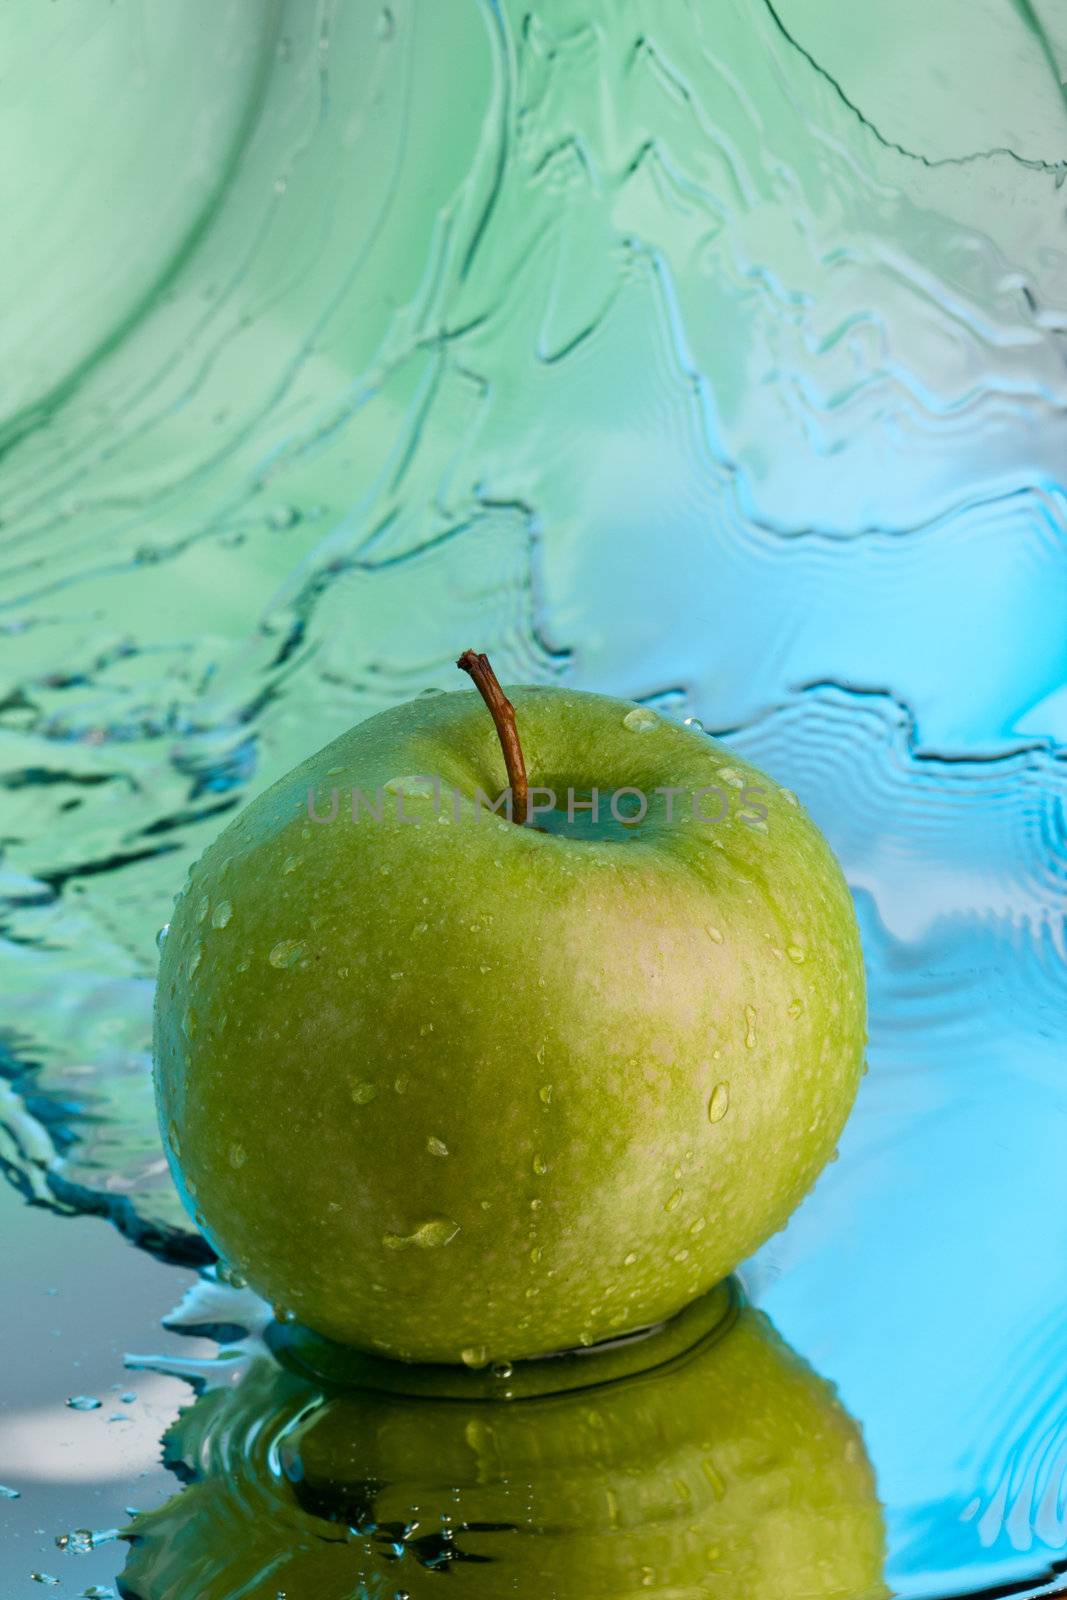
455	1088
730	1472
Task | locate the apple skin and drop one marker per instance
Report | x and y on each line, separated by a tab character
445	1090
729	1473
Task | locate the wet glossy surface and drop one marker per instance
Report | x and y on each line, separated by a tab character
712	359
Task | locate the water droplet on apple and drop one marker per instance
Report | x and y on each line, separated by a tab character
714	934
173	1138
536	1205
545	1094
363	1093
289	865
674	1202
475	1355
698	1226
221	914
585	1340
680	1255
750	1027
238	1155
194	959
731	776
640	719
286	953
536	1254
795	1007
202	908
415	785
161	936
719	1103
190	1023
428	1235
402	1082
795	953
503	1370
629	1259
540	1165
694	723
426	1027
789	797
436	1147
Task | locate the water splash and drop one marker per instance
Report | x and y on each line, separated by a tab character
668	1458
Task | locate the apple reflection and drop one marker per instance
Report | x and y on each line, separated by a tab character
726	1470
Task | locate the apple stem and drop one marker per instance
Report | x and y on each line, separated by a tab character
503	714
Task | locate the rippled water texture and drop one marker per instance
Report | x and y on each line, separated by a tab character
707	354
